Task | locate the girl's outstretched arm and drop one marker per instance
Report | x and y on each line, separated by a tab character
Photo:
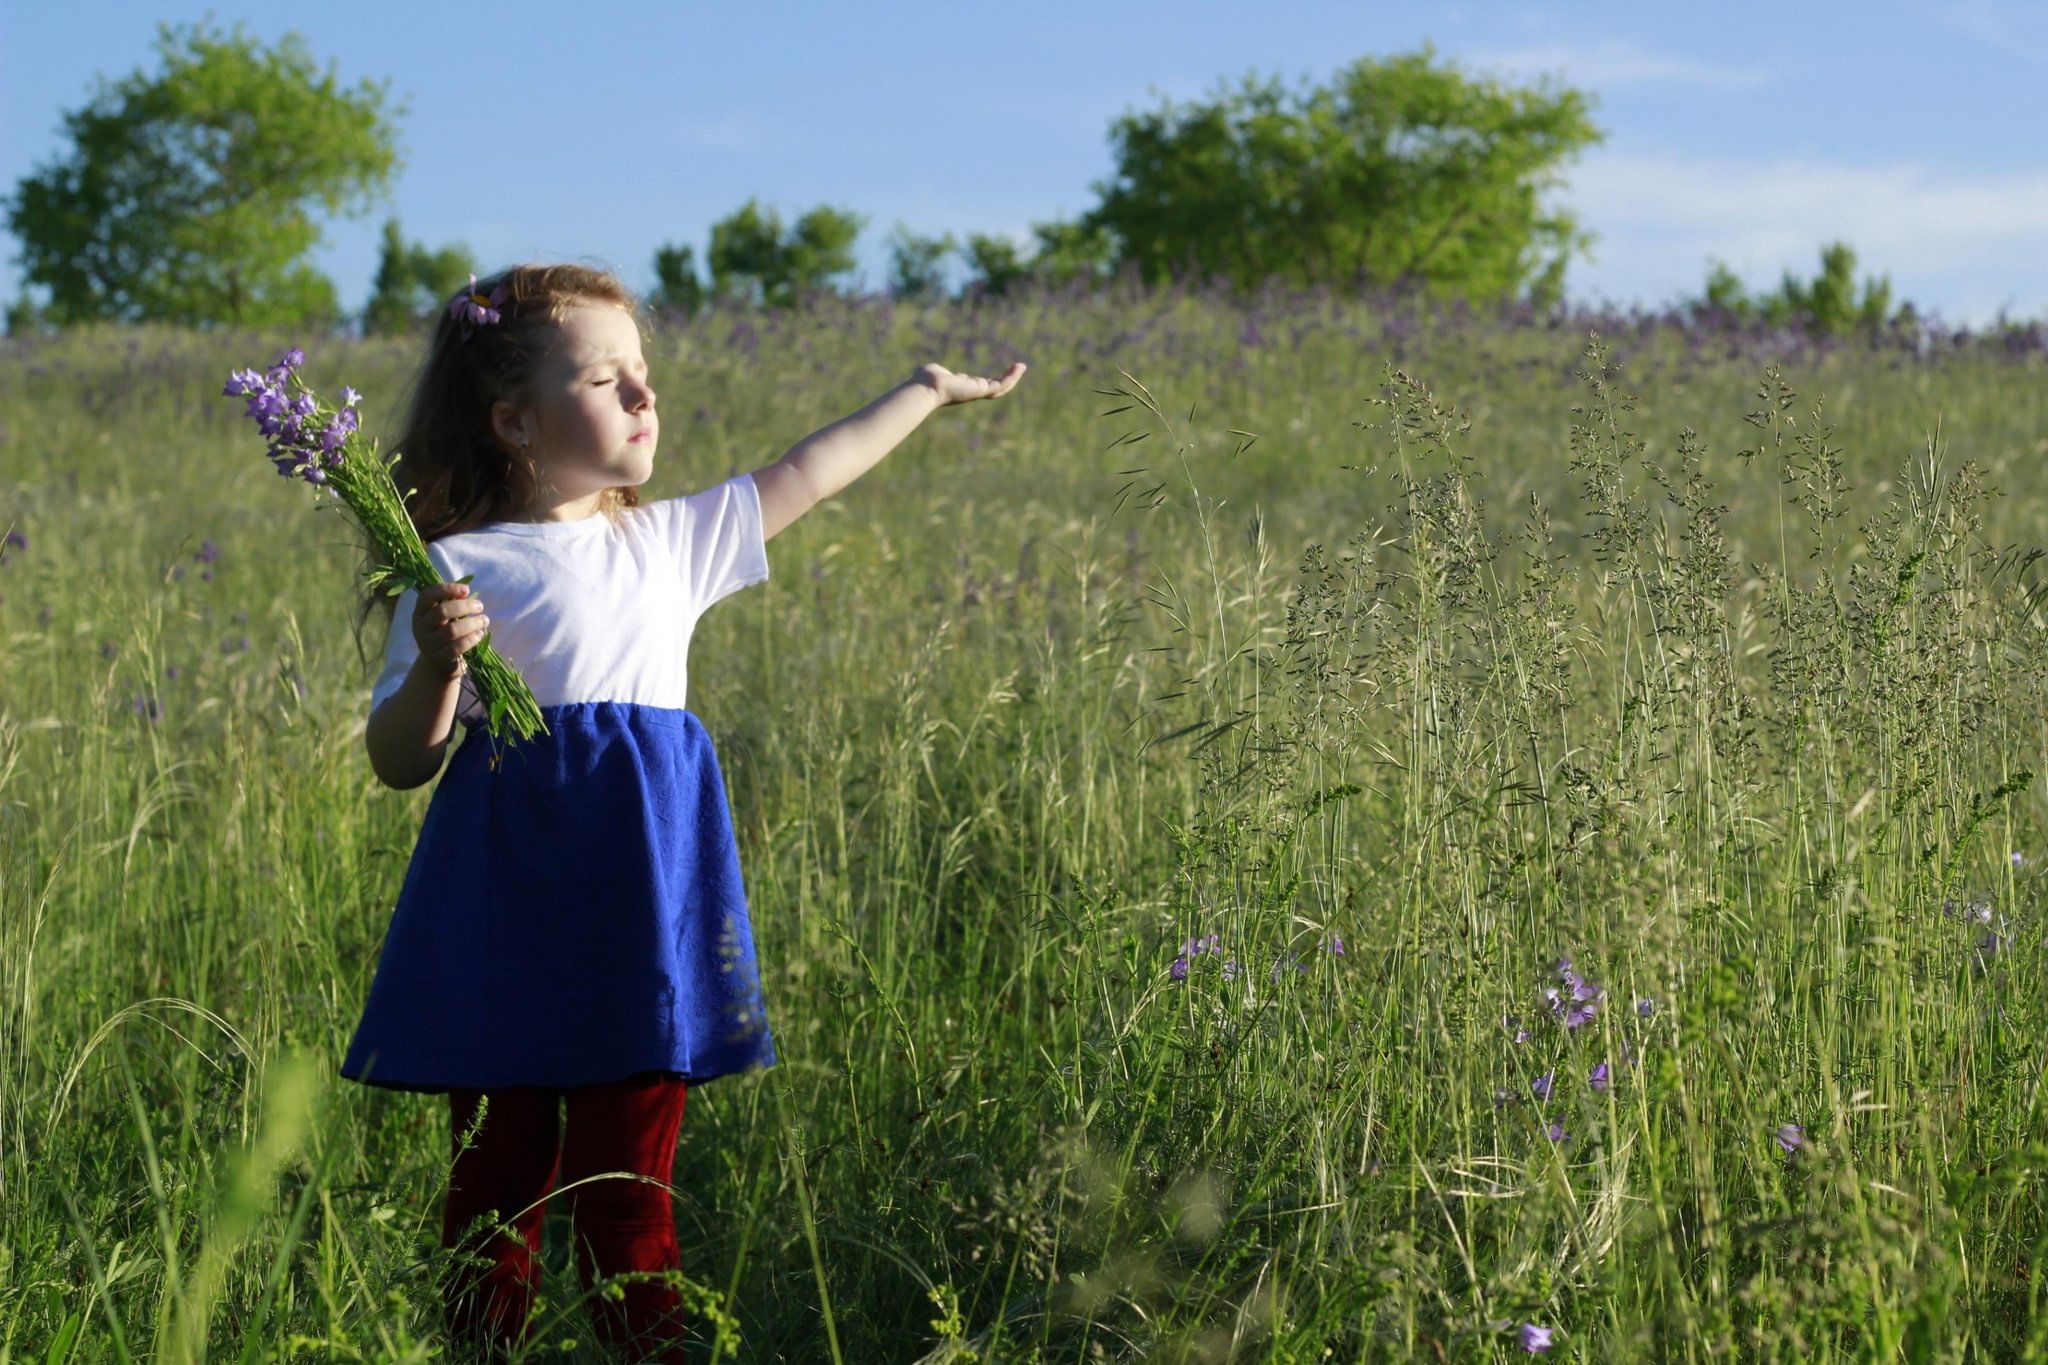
832	457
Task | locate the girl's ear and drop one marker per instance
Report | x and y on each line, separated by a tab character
508	423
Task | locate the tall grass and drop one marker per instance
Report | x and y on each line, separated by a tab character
1166	798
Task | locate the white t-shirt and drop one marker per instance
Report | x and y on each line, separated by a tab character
592	611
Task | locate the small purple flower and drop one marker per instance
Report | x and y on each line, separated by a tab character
147	706
1179	970
172	672
1292	959
1791	1137
15	541
1195	947
1335	945
1602	1079
1535	1340
1581	1014
1541	1085
207	552
1230	970
349	397
1555	1132
292	359
1645	1007
473	309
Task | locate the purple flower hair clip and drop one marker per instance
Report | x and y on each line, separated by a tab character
473	310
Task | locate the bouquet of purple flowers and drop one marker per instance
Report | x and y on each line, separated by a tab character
312	441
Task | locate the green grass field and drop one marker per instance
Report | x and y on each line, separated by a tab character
1280	653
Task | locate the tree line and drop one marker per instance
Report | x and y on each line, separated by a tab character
189	197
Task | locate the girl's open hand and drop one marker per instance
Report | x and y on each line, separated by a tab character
965	388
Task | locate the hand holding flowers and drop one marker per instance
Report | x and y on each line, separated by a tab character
326	448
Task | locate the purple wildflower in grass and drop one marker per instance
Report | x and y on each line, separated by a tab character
15	540
1791	1137
1535	1340
2019	859
1555	1132
1179	970
1645	1007
1601	1079
1195	947
1581	1014
1541	1085
234	646
349	397
1280	964
1230	970
147	706
1335	945
172	672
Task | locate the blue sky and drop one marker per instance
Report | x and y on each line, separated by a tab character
599	130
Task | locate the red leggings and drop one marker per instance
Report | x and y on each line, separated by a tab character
619	1224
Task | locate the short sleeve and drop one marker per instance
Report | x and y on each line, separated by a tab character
400	650
716	537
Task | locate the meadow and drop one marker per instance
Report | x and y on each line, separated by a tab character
1314	829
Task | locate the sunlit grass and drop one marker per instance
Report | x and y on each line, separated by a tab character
1213	627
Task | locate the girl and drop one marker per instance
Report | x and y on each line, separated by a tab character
572	927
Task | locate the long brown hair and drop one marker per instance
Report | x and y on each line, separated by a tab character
453	470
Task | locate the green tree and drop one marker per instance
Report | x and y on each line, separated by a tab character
1070	251
412	282
1829	302
996	262
753	260
187	197
677	286
915	263
1062	252
1405	171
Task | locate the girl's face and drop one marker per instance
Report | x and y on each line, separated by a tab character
591	424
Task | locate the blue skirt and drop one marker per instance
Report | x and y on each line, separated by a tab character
573	913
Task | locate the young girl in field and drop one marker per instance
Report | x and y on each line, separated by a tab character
572	928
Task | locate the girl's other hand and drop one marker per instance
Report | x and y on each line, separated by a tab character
965	388
446	624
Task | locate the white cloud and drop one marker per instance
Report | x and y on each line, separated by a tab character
1961	244
1614	63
